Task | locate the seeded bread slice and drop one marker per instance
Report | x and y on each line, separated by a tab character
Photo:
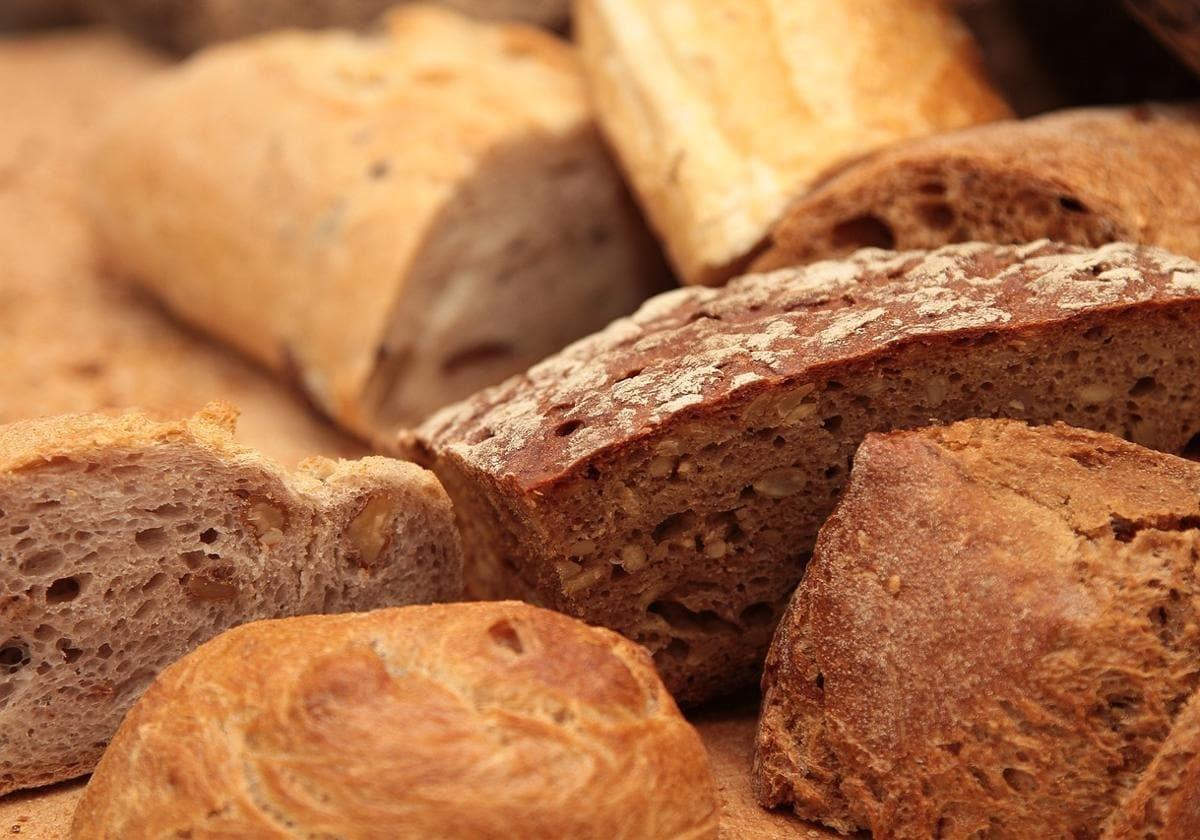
392	221
995	637
1087	176
667	476
127	542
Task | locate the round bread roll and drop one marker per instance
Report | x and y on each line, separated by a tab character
467	720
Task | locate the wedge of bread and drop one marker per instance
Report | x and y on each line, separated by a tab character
127	542
442	212
458	720
667	476
723	112
997	636
1087	176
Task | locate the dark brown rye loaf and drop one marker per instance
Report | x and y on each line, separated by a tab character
667	476
997	637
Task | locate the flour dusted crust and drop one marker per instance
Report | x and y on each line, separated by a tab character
998	634
442	210
667	476
128	541
1086	176
461	720
723	112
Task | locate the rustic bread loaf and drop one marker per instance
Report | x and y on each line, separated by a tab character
70	340
464	720
128	542
667	477
1088	176
186	25
394	221
42	814
722	112
995	637
1175	22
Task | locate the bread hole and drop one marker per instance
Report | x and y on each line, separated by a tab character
932	188
506	636
193	559
833	472
568	428
212	587
761	614
150	539
674	526
154	582
209	536
44	633
18	529
170	510
1019	780
480	435
1123	530
68	650
832	423
819	682
688	622
937	216
14	655
866	231
630	374
487	352
42	563
1095	333
104	651
1143	386
63	590
1071	204
954	747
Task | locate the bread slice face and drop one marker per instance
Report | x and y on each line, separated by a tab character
1087	177
456	720
996	635
127	542
442	211
667	476
715	168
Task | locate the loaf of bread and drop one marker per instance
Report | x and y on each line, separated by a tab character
722	112
1175	22
1087	176
465	720
128	542
42	814
71	340
190	25
667	476
393	221
996	637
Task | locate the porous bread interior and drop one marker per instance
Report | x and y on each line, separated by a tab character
938	203
117	564
1047	751
691	541
539	246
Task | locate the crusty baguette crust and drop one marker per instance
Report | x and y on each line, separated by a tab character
996	633
465	720
1087	176
129	541
372	282
722	112
667	476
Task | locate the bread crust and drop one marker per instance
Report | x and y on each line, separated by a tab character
996	633
667	476
715	168
1086	176
372	283
465	720
129	541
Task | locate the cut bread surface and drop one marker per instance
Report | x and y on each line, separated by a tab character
996	636
667	476
127	542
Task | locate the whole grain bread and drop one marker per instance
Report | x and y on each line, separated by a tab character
70	339
667	476
128	542
1086	176
394	222
186	25
465	720
722	112
996	637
